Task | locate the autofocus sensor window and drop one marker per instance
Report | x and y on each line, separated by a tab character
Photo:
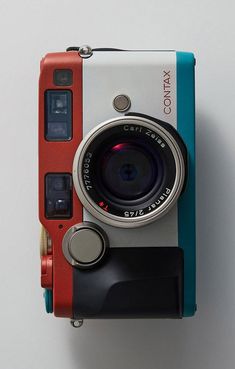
130	170
63	77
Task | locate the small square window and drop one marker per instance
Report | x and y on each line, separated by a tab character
63	77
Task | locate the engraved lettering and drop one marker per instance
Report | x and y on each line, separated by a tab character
167	100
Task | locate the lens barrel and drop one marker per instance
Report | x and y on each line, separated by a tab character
130	171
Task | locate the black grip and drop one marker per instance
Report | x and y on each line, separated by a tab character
131	283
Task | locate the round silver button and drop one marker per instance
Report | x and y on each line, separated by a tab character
84	245
121	103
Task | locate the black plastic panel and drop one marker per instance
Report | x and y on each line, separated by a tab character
130	283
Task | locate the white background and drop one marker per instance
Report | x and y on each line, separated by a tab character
30	339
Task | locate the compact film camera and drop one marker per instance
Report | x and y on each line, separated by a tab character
117	183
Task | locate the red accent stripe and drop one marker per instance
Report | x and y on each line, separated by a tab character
58	157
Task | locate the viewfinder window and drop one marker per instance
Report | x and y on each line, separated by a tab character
58	115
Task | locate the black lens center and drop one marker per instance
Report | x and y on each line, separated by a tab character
128	170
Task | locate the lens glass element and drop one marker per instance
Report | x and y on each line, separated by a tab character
129	170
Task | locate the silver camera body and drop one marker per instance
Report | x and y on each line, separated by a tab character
148	78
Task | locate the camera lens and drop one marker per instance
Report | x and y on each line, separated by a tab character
129	170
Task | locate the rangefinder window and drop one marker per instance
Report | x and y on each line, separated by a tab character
58	115
58	200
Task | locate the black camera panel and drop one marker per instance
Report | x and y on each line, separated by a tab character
149	283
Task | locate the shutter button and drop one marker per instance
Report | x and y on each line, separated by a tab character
84	245
121	103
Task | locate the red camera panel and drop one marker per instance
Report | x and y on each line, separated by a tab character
56	157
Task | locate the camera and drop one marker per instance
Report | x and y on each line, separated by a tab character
117	183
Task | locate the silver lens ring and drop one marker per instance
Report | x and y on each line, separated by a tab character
136	220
